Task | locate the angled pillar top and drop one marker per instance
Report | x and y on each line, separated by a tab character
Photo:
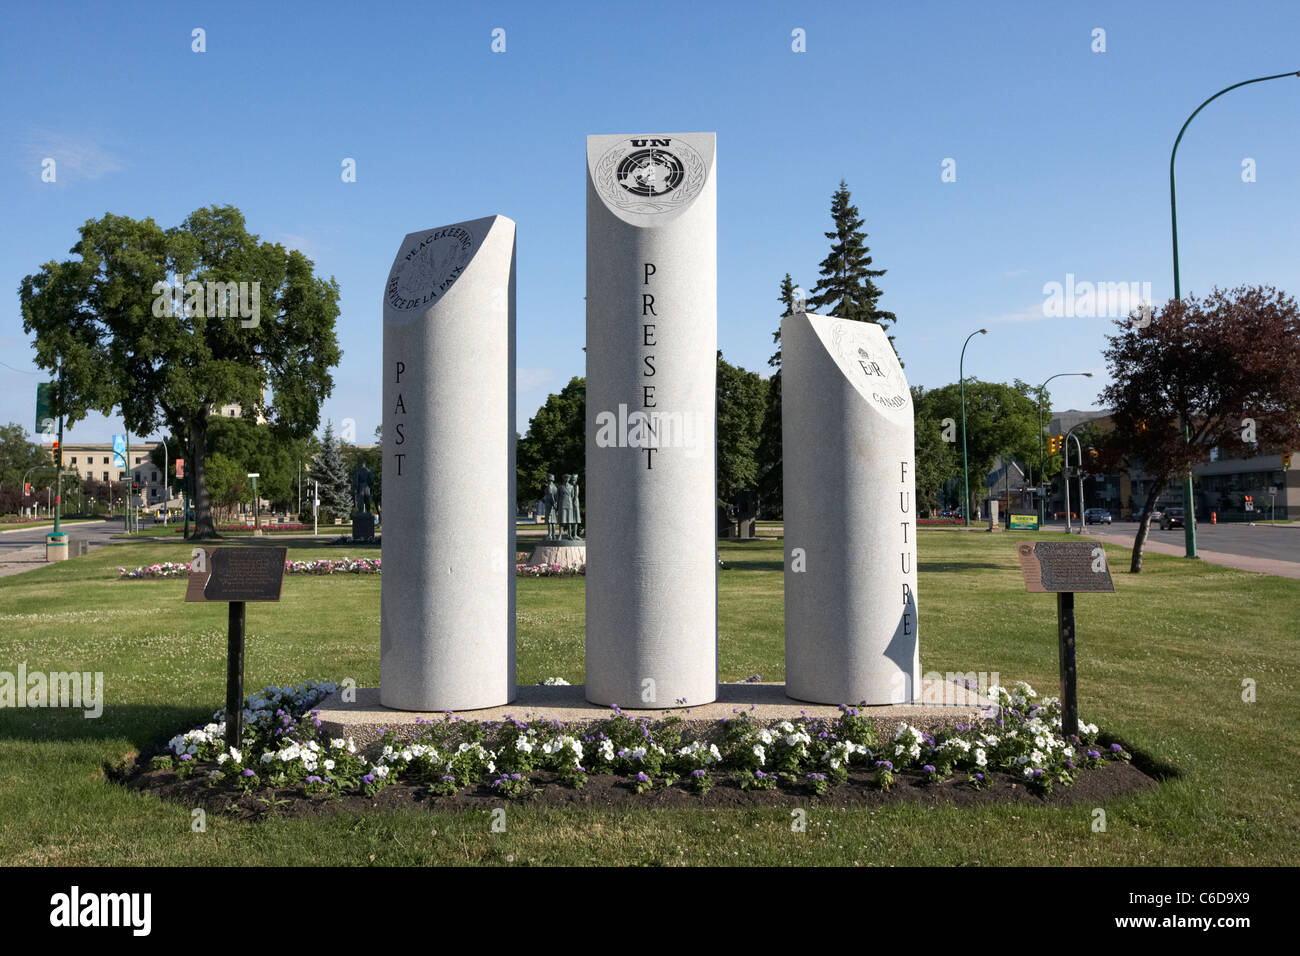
429	262
649	179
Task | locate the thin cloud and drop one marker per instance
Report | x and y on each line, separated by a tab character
74	158
528	379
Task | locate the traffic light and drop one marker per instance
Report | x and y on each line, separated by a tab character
27	488
1093	453
58	455
1054	444
1286	460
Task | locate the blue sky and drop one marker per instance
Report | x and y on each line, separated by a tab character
1061	155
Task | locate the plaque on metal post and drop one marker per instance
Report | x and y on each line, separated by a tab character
1055	566
236	574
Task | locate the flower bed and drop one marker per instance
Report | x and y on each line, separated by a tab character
550	571
170	569
282	750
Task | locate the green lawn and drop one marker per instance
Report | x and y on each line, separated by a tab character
1161	664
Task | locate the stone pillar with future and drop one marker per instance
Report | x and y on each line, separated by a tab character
448	604
651	407
850	515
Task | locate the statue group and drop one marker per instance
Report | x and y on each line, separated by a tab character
563	513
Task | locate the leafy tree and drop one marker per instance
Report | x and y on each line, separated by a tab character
228	483
556	443
1001	420
845	289
1202	373
255	447
107	318
742	400
335	482
18	455
937	461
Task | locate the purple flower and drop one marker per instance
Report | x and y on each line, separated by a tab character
642	778
248	773
1038	773
816	776
885	763
979	776
928	768
186	757
1094	754
368	778
1115	748
314	779
699	773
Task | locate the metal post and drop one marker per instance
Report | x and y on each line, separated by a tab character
1189	504
965	470
235	676
58	464
1078	448
1065	480
1069	672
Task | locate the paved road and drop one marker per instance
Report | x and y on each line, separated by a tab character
23	550
96	532
1262	548
1259	541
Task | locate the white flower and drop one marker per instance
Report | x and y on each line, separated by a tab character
337	743
760	753
329	765
981	760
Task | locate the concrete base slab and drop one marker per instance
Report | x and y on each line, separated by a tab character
562	553
767	703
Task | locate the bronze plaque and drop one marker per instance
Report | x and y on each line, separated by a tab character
1052	566
236	574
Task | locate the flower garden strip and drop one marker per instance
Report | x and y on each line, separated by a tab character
284	764
173	569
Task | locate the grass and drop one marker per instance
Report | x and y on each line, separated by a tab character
1161	663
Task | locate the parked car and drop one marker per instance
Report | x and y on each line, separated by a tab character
1173	518
1096	516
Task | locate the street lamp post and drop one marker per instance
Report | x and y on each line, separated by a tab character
1042	475
965	471
1189	504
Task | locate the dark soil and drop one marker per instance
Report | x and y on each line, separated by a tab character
1091	788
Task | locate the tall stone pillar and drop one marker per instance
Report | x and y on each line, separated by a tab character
850	515
448	607
652	335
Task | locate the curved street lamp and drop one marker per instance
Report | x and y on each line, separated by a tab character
965	471
1189	505
1042	476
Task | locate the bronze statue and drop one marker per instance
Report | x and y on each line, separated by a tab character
549	505
363	488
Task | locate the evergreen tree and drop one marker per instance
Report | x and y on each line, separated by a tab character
768	457
335	482
845	289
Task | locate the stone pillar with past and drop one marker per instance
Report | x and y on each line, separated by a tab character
448	606
652	599
850	515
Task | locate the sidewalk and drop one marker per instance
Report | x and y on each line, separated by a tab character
1282	569
15	562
